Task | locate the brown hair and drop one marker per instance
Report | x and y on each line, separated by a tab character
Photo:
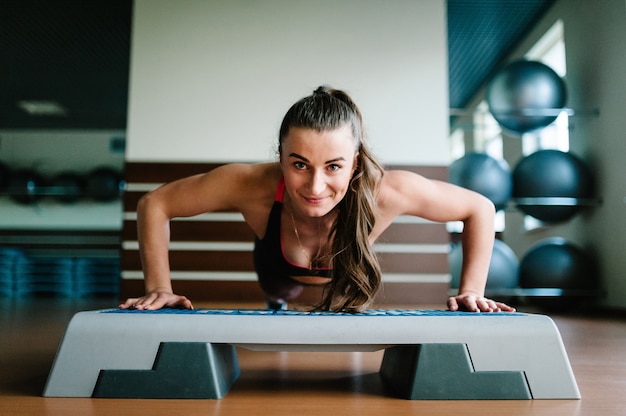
356	271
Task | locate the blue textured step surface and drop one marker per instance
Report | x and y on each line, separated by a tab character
372	312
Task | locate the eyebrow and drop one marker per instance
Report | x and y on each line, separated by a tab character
304	159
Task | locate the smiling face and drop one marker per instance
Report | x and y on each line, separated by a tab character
317	167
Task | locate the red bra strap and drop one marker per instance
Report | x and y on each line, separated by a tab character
280	190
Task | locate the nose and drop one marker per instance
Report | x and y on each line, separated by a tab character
317	183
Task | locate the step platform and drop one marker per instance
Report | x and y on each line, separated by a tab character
429	354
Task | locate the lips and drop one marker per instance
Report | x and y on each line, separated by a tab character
313	201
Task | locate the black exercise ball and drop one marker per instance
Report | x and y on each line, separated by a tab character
520	91
104	184
551	174
483	174
555	263
5	174
26	186
67	187
503	268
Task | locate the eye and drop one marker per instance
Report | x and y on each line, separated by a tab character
334	167
299	165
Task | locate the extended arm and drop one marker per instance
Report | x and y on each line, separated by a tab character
405	193
154	235
217	190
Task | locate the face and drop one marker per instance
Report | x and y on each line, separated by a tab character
317	167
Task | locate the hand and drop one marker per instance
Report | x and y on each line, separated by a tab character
157	300
473	303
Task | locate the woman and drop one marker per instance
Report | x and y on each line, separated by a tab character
316	214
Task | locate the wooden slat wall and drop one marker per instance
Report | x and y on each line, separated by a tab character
211	255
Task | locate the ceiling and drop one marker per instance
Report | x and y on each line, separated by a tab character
77	53
481	33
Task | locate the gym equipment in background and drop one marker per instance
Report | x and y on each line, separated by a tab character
67	187
555	263
5	173
551	185
526	96
104	184
484	174
25	186
503	269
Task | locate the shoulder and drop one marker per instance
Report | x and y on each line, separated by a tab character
230	187
248	189
253	190
248	171
407	193
250	182
398	185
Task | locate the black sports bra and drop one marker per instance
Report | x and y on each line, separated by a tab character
269	257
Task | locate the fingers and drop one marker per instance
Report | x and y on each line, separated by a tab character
456	303
487	305
151	302
506	308
464	303
476	304
142	303
186	303
158	300
128	304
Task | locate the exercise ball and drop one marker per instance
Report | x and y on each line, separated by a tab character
483	174
5	174
551	174
503	268
555	263
104	184
66	187
519	92
25	186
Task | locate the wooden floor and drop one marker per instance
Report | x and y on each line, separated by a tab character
287	383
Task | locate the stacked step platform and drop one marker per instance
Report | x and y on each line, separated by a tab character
23	275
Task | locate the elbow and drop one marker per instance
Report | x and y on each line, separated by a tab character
487	206
483	210
148	203
143	203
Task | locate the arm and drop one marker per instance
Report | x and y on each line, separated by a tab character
406	193
154	234
183	198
